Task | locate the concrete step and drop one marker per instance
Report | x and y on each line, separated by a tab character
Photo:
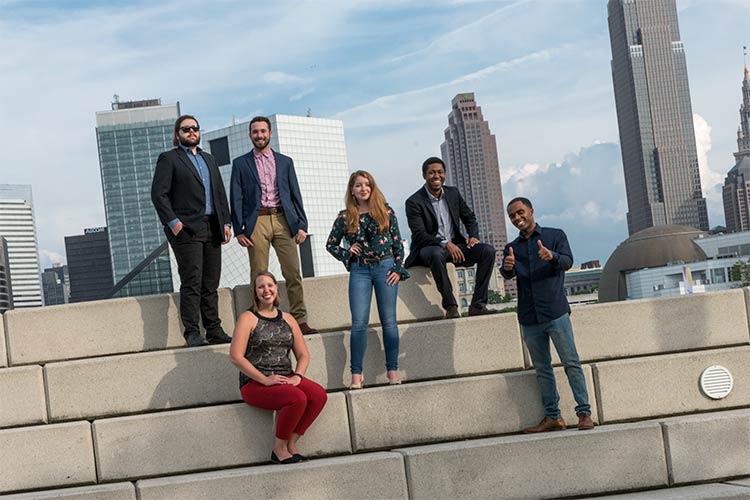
715	491
177	378
375	475
46	456
114	491
653	386
610	458
22	398
135	324
206	438
643	327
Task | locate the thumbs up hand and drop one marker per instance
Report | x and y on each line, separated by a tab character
510	260
544	253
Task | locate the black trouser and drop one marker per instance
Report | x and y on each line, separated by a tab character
435	257
198	257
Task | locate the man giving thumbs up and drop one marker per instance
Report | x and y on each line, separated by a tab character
538	259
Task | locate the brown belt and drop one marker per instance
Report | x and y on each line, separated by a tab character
270	210
371	260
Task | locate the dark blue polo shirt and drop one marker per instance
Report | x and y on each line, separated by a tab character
541	294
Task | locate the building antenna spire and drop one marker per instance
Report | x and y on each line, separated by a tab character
744	54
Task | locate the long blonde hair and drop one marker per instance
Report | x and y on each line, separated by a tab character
378	208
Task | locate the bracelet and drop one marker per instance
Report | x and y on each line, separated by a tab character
298	374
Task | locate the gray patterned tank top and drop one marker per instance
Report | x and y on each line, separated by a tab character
268	347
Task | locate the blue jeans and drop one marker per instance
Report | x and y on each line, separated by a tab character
537	339
362	279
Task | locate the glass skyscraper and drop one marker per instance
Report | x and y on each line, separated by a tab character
130	138
654	115
18	228
318	149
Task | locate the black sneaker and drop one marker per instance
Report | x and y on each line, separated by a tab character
195	339
218	337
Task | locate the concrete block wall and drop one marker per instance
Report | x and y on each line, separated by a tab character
465	380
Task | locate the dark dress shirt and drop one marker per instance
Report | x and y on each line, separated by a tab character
541	294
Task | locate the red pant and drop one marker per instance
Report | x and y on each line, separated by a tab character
298	406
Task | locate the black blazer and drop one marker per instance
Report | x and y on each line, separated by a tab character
177	191
424	224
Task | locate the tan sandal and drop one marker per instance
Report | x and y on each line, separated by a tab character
355	386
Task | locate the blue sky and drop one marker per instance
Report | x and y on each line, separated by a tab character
540	71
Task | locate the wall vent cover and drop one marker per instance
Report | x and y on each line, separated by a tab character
716	382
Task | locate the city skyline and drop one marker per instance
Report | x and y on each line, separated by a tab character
542	75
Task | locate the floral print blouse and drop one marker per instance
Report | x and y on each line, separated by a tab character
374	243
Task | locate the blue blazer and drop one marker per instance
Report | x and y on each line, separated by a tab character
245	193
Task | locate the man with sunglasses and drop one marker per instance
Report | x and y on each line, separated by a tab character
188	194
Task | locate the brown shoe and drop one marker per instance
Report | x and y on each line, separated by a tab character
451	312
584	422
480	311
306	329
546	425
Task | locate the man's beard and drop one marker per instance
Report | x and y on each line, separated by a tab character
189	143
260	143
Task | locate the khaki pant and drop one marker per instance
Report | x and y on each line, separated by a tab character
274	230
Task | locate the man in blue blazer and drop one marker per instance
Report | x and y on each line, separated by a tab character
267	211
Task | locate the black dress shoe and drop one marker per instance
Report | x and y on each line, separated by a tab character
480	311
291	460
219	337
195	339
451	312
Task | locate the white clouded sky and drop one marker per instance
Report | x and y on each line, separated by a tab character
540	70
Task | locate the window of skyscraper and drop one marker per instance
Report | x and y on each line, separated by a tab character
220	150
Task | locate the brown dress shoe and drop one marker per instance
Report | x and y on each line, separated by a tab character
546	425
451	312
480	311
306	329
584	422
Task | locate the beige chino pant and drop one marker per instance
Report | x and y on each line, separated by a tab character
273	230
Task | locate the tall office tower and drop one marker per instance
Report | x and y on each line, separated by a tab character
6	290
89	265
318	149
18	227
736	190
654	115
470	154
130	138
55	285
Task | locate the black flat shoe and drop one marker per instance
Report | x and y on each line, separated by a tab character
299	457
291	460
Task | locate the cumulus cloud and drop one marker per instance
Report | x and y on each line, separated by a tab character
50	258
712	179
584	194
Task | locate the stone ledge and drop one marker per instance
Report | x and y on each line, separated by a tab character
89	329
116	491
656	386
376	475
47	456
716	491
708	446
22	398
617	457
453	409
3	352
215	437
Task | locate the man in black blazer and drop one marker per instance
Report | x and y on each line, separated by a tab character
434	214
188	194
267	211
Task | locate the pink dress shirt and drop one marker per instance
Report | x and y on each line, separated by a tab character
269	191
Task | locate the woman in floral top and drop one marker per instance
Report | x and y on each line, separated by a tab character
375	259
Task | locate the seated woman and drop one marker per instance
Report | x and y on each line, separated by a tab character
261	342
374	258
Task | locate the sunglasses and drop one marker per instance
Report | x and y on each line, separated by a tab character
185	130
